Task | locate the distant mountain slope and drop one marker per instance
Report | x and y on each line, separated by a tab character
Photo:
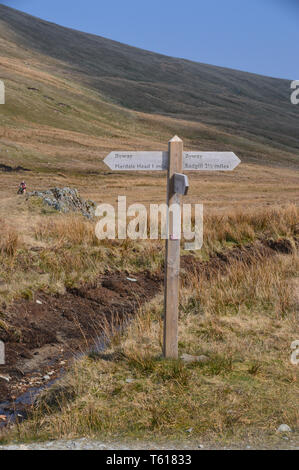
254	107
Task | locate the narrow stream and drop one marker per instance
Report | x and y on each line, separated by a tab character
16	411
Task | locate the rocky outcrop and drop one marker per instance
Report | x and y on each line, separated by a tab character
65	200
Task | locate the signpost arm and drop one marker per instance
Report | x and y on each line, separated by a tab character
172	259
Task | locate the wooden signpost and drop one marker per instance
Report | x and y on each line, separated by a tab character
2	92
172	259
175	161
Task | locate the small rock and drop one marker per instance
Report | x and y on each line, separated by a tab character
188	358
39	302
5	377
46	377
284	428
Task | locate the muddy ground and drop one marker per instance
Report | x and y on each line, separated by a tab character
220	261
8	168
47	332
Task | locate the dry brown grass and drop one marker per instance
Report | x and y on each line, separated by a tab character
52	251
71	230
244	318
241	227
244	321
10	240
246	287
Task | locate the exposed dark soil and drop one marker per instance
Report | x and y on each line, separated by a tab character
221	260
9	168
45	333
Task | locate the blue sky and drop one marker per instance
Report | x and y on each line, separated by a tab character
260	36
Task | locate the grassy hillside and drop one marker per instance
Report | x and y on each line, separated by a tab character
62	79
64	114
71	98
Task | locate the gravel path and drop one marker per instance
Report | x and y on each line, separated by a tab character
89	444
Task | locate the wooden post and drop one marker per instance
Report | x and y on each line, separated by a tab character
172	259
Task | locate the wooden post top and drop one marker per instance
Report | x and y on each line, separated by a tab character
175	139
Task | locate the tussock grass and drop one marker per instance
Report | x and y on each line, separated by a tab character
72	230
243	321
245	287
63	251
10	240
241	227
